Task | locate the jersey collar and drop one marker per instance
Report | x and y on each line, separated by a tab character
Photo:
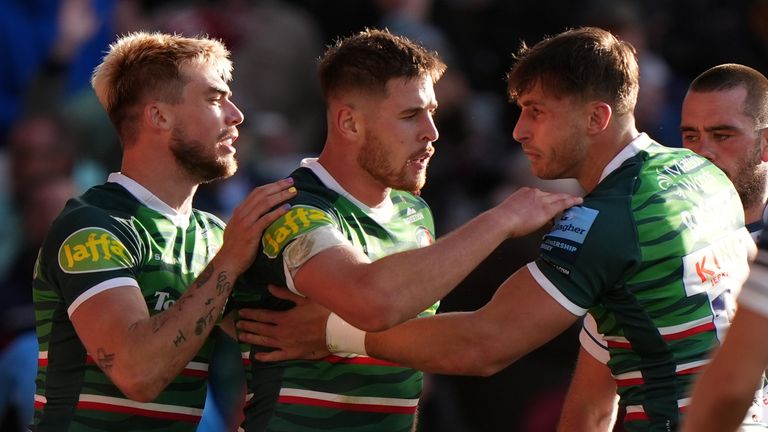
149	199
640	143
380	214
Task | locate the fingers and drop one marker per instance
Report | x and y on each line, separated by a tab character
265	197
250	316
273	356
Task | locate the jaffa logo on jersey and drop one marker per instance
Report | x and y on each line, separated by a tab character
92	249
298	219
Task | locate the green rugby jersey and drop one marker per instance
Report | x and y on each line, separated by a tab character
656	254
116	234
337	393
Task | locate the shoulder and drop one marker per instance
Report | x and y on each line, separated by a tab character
299	220
84	227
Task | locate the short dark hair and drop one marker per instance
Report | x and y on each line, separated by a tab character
587	62
368	60
731	75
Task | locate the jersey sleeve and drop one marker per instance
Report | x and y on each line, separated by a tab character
593	341
588	249
87	252
298	235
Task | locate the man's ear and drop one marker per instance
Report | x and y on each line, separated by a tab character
599	116
763	137
158	116
348	122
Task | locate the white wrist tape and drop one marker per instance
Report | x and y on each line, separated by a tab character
341	337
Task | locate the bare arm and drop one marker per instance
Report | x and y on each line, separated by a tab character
376	296
519	318
725	389
141	353
591	403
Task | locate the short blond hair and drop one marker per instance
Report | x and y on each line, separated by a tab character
146	65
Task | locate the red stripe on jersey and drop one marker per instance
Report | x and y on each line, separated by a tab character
709	326
99	406
629	382
359	360
297	400
691	331
635	416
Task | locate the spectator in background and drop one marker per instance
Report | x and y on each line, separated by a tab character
41	38
41	202
38	146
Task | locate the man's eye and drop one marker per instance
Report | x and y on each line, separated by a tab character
690	138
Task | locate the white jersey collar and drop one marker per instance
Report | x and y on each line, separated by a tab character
638	144
149	199
380	214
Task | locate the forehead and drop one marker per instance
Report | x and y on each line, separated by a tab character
538	95
202	77
411	91
715	107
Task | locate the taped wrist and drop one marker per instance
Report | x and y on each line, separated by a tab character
341	337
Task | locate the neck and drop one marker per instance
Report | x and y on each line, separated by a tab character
160	176
603	149
343	166
754	213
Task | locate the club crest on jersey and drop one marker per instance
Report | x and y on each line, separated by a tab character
92	249
299	219
424	237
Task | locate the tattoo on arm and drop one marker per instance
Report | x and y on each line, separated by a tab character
204	276
104	359
223	285
158	321
202	322
180	339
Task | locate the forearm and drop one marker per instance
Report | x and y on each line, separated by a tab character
174	335
715	412
433	345
591	403
724	391
403	285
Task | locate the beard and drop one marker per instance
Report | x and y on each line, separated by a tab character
199	159
749	177
373	159
565	159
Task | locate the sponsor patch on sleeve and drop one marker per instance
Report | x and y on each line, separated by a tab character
299	219
92	249
568	234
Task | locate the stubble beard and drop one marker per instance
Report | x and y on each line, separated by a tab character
565	160
199	160
749	179
373	159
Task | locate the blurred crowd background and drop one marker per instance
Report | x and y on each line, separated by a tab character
55	140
